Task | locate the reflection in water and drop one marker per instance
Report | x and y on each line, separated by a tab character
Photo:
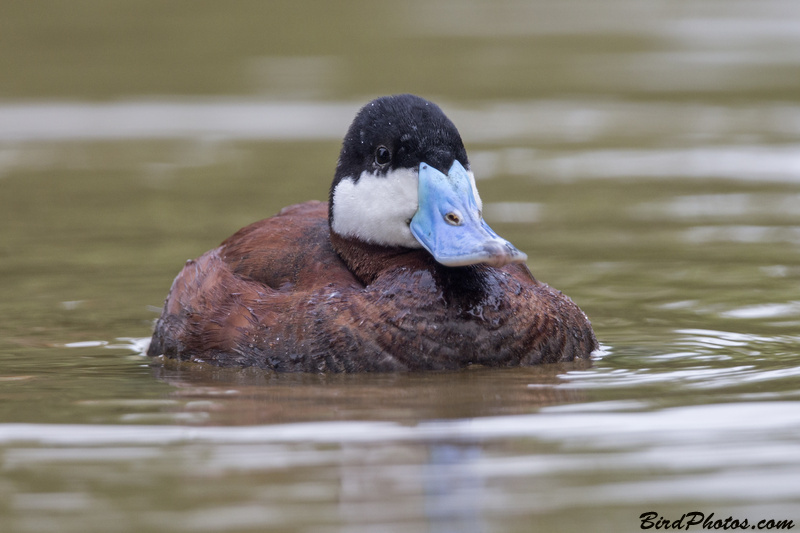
765	311
722	206
454	491
706	153
452	475
578	426
744	234
543	122
254	396
221	119
778	164
705	360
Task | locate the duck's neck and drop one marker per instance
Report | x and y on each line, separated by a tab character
367	261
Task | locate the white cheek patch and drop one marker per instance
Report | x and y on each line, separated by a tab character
377	209
475	191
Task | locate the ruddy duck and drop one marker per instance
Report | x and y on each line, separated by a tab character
398	271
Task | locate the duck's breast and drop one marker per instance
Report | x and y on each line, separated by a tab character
276	295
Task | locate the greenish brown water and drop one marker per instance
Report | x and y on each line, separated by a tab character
645	155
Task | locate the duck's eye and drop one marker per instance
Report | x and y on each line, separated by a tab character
453	218
382	155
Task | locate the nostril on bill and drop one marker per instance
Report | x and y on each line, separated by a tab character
497	255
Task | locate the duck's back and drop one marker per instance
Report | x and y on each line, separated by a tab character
288	252
276	295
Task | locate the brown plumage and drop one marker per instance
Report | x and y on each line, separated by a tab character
276	295
304	291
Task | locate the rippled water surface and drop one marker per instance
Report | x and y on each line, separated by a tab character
645	155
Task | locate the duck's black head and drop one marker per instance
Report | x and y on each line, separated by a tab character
398	133
403	179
